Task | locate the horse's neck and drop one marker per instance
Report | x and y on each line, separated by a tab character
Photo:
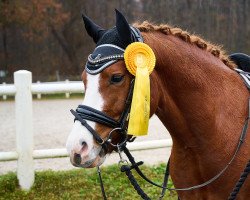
203	104
200	97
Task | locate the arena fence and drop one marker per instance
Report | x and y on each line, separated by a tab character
23	89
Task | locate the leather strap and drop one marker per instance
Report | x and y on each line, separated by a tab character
101	183
88	113
90	129
124	115
165	180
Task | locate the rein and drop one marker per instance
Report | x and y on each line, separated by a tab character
242	179
135	165
84	113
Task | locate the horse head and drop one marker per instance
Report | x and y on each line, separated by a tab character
107	87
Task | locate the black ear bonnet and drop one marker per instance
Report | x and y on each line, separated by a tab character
110	44
108	51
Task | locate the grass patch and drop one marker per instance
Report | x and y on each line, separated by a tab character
83	184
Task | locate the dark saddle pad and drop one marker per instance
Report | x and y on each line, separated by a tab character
243	62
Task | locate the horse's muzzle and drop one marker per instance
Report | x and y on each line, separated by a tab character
93	159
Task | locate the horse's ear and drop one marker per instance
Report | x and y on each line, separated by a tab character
123	28
94	31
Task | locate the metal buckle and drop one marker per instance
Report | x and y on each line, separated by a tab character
122	161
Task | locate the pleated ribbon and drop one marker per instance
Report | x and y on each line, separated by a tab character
140	61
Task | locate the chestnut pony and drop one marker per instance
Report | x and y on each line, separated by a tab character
196	94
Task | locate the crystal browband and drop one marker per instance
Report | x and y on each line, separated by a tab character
107	54
103	56
104	59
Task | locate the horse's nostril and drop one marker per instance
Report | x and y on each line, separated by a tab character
84	144
77	158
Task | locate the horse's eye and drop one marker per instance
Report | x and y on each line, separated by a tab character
116	78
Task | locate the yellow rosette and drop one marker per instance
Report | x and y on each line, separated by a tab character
140	61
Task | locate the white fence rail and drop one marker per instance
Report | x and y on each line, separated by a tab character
24	154
39	88
58	153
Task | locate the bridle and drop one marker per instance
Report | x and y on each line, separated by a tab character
84	113
106	55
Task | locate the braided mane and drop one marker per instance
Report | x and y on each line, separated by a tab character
187	37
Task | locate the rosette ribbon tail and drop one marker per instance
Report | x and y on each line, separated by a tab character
140	61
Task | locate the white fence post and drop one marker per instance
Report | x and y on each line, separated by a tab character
39	95
4	96
24	128
67	95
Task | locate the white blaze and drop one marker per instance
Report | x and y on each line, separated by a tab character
79	133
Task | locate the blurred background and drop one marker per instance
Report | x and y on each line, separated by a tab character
48	38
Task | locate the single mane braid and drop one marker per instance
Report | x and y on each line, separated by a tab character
190	38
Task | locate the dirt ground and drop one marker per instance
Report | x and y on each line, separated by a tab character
52	123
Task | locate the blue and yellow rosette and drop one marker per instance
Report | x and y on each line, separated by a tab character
140	61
